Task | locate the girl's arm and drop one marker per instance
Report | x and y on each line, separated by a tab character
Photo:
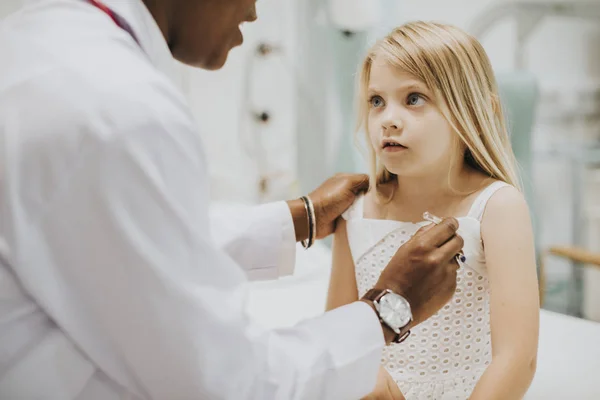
343	290
342	284
514	304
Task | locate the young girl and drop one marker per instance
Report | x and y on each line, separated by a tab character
430	107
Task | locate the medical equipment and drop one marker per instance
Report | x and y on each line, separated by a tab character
528	15
427	216
329	32
251	135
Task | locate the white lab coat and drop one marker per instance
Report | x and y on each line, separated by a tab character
111	285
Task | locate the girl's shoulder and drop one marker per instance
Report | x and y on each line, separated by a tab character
495	193
502	197
376	201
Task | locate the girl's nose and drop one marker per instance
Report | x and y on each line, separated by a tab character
392	122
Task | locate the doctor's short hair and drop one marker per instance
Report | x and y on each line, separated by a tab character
455	67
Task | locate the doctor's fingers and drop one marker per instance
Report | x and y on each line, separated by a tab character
359	183
435	235
449	250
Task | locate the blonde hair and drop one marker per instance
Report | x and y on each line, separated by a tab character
455	67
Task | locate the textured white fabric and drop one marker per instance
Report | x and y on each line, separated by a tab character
445	356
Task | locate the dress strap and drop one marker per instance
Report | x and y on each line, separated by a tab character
356	210
480	202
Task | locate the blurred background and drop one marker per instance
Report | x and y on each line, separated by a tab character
279	119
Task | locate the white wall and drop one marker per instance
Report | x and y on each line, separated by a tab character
8	6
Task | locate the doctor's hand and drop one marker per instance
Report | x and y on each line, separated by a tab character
423	270
330	200
385	389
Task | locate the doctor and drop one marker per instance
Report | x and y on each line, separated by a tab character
111	285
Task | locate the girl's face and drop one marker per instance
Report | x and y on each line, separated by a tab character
408	132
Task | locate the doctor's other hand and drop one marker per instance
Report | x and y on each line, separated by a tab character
330	200
424	269
385	389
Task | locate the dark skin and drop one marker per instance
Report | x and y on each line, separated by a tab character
201	33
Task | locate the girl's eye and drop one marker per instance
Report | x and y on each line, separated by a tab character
376	101
415	99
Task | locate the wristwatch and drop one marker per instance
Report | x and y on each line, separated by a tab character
393	310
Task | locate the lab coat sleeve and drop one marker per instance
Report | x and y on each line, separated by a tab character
134	278
261	239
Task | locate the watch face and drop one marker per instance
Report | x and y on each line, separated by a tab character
394	310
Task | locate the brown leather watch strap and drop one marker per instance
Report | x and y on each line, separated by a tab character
375	295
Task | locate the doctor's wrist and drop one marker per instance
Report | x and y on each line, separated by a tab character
299	218
388	334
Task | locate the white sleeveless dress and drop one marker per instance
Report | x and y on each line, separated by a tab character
445	356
